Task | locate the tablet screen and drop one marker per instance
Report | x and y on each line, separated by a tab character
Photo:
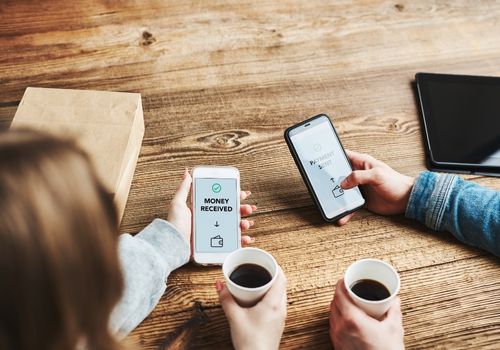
462	118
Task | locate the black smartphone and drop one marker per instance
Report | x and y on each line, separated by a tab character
323	164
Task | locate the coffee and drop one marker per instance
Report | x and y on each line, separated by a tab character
370	290
250	276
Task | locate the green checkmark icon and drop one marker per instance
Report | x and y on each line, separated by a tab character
216	187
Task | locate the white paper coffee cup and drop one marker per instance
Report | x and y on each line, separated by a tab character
243	295
377	270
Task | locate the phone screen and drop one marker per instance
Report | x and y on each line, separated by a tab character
326	165
216	221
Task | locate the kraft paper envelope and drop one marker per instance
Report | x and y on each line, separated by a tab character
109	126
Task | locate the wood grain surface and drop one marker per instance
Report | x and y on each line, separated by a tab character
220	82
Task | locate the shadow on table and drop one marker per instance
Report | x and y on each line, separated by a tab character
7	112
297	204
441	236
182	337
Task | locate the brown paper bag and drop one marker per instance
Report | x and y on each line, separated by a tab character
109	126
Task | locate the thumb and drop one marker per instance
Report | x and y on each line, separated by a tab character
359	177
394	313
228	303
182	192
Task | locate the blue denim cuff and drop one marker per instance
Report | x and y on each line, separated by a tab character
429	198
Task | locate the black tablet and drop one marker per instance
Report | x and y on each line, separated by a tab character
461	119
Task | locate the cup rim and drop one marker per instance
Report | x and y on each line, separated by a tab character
228	280
374	302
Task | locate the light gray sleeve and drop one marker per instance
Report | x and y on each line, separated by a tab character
146	260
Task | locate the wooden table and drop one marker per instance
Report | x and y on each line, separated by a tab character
220	82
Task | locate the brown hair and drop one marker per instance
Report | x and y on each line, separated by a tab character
59	270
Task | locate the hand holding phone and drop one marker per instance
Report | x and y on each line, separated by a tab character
216	213
179	213
323	164
386	191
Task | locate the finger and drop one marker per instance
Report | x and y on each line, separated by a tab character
277	289
247	209
333	308
335	316
361	161
245	224
335	311
345	219
360	177
346	306
244	195
394	313
182	192
246	240
284	304
229	305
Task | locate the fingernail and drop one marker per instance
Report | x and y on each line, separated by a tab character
252	239
343	184
254	207
248	193
251	222
218	286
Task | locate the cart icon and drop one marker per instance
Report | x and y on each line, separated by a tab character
216	242
337	191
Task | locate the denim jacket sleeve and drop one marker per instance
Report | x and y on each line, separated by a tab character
146	261
445	202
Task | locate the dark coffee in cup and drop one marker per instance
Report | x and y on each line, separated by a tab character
250	276
370	290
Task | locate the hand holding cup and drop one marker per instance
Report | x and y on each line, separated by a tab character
366	311
372	284
260	322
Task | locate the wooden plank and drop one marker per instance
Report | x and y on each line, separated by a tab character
220	82
435	270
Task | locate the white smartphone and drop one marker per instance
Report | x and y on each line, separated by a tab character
323	164
215	199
